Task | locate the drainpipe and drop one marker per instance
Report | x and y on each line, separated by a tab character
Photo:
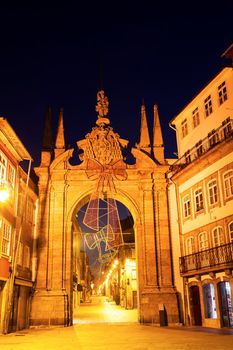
34	248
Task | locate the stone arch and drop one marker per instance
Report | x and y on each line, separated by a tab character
121	196
141	187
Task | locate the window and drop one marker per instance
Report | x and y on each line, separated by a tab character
29	211
209	300
199	148
217	236
3	164
212	191
7	171
208	106
230	229
198	200
187	157
222	93
203	241
5	228
187	206
190	247
184	128
11	175
213	137
228	184
20	254
227	128
20	204
27	256
196	118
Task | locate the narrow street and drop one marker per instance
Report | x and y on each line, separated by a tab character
101	325
100	310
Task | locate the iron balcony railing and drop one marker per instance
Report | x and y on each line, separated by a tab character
209	258
215	137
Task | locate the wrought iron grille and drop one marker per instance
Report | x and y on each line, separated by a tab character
215	137
221	255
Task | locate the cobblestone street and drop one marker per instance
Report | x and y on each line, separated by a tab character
103	325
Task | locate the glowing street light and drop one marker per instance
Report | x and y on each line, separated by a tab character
4	192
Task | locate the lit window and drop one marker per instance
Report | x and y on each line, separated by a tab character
228	183
209	300
5	228
184	128
212	191
208	106
187	206
217	236
196	118
198	200
222	93
230	228
3	164
190	247
203	241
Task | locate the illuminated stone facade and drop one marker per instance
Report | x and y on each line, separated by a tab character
141	187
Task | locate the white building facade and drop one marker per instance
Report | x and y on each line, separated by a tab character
201	185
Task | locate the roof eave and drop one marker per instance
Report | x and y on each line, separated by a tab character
12	141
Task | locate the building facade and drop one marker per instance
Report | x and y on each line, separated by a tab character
201	185
16	231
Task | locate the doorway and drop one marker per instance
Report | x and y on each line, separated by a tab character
225	303
195	305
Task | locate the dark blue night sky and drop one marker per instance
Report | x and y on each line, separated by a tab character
62	55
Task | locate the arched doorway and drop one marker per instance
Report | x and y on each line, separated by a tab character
104	260
103	172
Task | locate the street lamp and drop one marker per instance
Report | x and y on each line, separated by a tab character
4	191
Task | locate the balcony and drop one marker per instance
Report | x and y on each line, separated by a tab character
214	138
209	259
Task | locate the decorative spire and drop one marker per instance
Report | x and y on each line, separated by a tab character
60	138
144	142
102	108
47	142
158	146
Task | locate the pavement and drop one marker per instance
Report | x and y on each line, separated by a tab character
102	325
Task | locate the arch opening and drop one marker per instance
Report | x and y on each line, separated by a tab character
104	262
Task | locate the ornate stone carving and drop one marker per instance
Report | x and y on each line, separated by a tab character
103	151
102	104
104	158
103	145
